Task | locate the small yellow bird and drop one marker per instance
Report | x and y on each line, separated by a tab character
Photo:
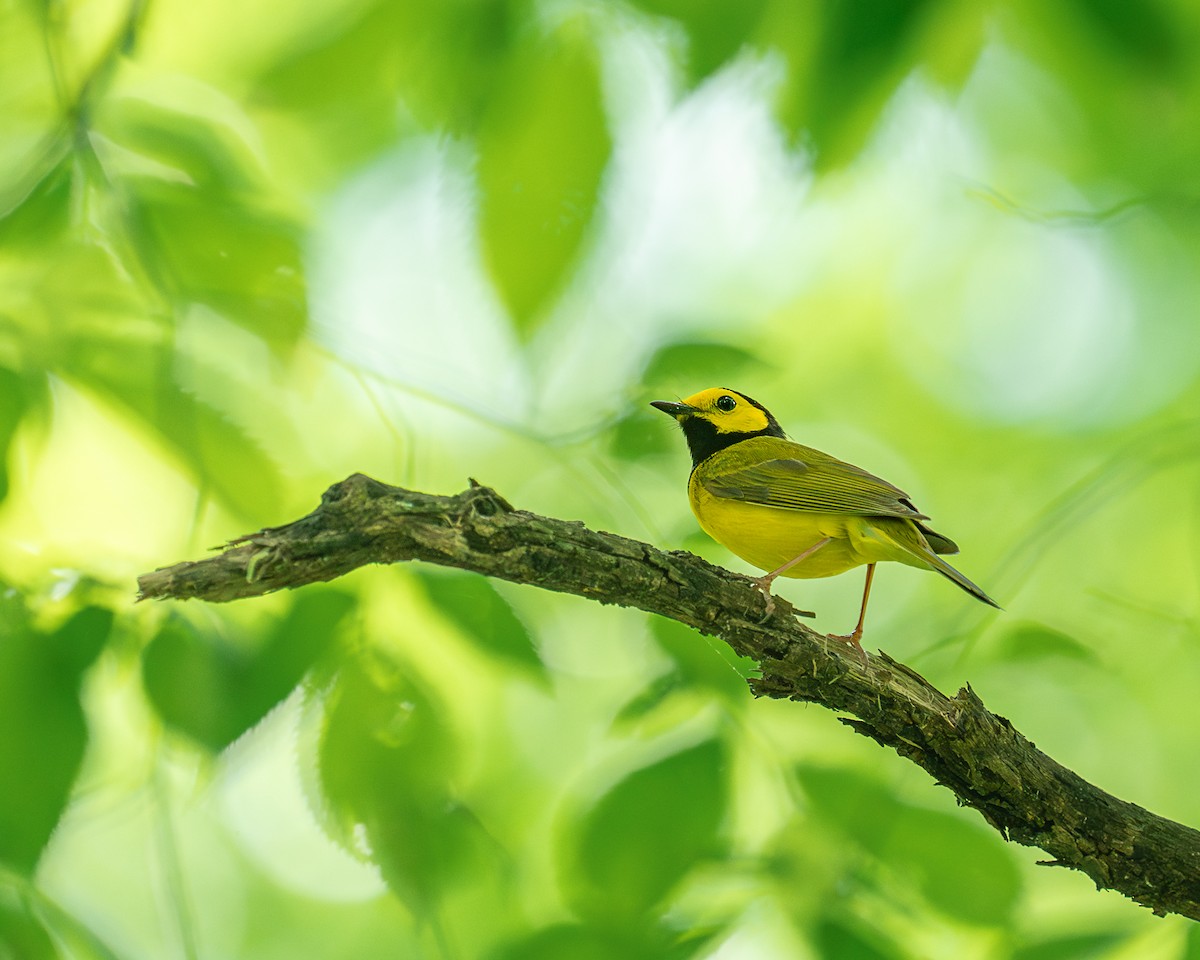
793	510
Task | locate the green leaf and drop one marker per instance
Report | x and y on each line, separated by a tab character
425	850
543	147
692	366
12	409
298	640
220	453
341	83
962	869
838	938
643	836
640	434
650	698
384	736
706	662
716	29
1035	641
860	806
203	217
1081	946
192	680
1191	950
78	642
1145	37
675	369
568	941
212	156
387	762
845	59
213	692
86	302
43	215
15	618
22	934
42	729
344	78
223	456
221	249
471	603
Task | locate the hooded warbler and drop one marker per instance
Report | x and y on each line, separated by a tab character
793	510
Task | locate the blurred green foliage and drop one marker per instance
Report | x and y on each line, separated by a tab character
24	934
248	250
388	760
644	835
473	605
543	145
204	686
44	730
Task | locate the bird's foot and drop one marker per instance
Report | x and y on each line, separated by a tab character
763	586
854	639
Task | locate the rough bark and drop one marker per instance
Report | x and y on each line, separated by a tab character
1026	795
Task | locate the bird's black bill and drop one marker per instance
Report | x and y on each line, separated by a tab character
676	410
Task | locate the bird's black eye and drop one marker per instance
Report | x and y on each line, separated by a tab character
726	403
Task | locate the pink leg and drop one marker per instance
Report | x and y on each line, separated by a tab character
856	637
764	583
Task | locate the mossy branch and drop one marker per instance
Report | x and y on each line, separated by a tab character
978	755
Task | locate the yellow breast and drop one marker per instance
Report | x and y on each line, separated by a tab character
768	537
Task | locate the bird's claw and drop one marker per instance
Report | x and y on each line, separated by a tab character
853	639
763	586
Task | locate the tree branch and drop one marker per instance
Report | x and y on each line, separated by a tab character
979	756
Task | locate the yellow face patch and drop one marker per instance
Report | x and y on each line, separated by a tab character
727	410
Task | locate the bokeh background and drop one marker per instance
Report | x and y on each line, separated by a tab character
248	248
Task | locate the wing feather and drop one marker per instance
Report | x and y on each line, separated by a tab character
820	484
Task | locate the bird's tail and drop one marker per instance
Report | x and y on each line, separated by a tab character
937	542
919	546
947	571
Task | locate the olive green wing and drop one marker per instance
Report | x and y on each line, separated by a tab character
817	484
